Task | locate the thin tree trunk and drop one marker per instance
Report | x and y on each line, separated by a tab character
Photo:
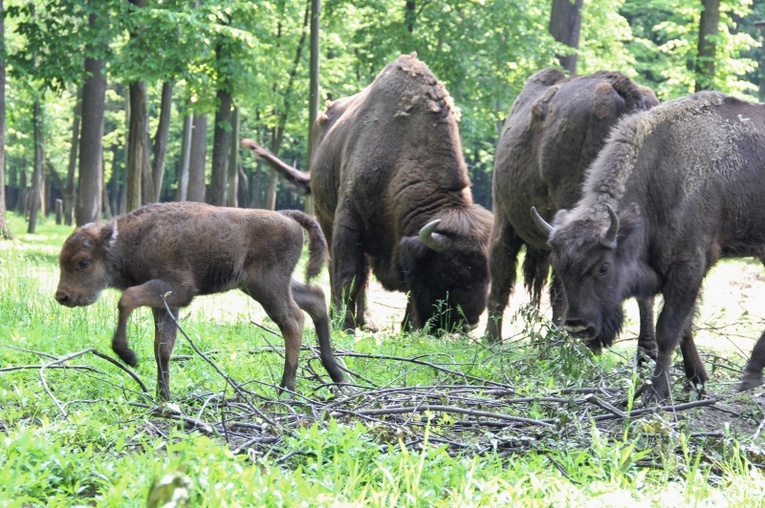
196	190
140	186
233	161
34	203
565	26
707	48
313	95
183	170
160	139
221	141
89	181
5	232
70	188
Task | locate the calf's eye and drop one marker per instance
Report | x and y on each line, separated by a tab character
84	263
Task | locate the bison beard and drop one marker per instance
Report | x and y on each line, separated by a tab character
674	190
392	194
554	130
169	253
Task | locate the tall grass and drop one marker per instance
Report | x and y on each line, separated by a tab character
86	435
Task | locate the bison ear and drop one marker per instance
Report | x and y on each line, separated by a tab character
630	227
108	235
560	217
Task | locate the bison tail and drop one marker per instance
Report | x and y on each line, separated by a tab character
299	180
317	243
536	268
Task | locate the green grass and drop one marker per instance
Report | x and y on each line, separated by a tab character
87	435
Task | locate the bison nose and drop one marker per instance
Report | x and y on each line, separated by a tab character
61	297
579	328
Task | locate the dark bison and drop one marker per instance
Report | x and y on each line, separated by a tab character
181	250
390	189
554	130
675	189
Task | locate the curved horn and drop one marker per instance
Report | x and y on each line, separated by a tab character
613	229
431	239
542	224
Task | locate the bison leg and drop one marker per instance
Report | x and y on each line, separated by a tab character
647	335
148	294
350	270
165	332
503	257
679	304
310	298
692	364
557	300
752	376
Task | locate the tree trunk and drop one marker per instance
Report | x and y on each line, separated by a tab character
707	48
183	169
160	139
34	202
565	26
5	232
233	161
70	189
313	95
196	190
139	190
221	141
89	182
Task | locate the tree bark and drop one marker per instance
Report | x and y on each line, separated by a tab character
90	180
221	141
233	161
5	232
707	48
70	189
160	139
139	190
183	165
565	27
35	200
198	154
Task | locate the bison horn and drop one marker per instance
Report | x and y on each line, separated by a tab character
613	229
542	224
431	239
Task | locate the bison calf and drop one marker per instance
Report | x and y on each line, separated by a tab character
177	251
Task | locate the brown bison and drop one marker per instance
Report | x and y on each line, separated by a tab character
554	130
390	189
674	189
176	251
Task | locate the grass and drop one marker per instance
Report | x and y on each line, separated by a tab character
88	436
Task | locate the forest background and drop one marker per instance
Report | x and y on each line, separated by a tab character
110	104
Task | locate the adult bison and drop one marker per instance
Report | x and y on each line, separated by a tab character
554	130
176	251
390	189
674	189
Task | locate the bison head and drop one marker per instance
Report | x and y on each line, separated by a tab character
83	268
600	261
446	271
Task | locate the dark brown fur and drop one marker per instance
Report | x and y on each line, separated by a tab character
387	162
553	132
674	189
182	250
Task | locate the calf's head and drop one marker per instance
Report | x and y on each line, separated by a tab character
82	261
598	261
446	270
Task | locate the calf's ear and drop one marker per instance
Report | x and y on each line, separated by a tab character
108	235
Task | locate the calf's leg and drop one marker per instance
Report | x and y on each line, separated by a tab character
311	299
165	332
148	294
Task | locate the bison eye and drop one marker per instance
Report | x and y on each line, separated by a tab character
84	263
603	269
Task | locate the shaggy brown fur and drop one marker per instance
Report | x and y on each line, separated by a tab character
176	251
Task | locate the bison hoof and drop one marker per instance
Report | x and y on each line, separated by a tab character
749	381
128	357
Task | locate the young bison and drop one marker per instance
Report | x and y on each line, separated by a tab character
181	250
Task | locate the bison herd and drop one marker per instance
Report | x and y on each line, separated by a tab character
614	194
